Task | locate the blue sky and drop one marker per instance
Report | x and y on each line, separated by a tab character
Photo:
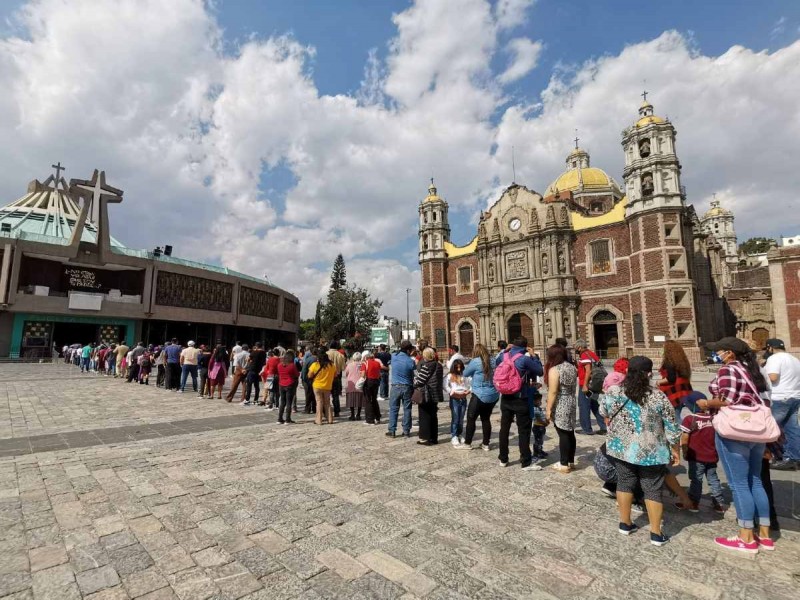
256	124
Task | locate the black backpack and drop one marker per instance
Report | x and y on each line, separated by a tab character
597	377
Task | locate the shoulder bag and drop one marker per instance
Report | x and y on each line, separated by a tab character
746	423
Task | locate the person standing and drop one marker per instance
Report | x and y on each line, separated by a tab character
239	372
402	378
173	364
484	397
256	362
783	371
676	375
272	388
371	369
562	380
322	374
453	355
514	403
458	388
643	440
737	384
311	402
339	361
385	358
217	370
587	402
699	451
188	362
428	378
86	355
237	347
354	397
287	380
202	370
121	352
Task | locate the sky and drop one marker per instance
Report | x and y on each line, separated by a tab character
271	136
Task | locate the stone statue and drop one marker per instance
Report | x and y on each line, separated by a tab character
647	184
567	329
491	272
644	149
545	265
562	261
494	332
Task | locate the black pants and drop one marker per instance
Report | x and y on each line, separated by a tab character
133	372
253	381
161	375
173	376
766	481
428	422
514	407
336	392
483	410
311	400
566	446
287	400
373	410
274	393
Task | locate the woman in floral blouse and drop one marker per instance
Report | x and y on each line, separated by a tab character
642	440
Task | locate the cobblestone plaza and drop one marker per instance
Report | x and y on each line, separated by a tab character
111	491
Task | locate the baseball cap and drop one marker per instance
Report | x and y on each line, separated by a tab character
190	343
775	343
731	343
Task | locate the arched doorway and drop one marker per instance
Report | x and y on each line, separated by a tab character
466	338
520	324
760	336
606	334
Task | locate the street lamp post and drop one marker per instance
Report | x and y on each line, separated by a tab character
408	314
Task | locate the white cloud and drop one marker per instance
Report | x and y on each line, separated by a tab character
524	58
188	130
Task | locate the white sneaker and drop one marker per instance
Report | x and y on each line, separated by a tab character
455	441
502	464
464	447
532	467
485	447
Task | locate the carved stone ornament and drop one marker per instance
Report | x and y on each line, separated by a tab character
562	261
567	328
491	272
494	332
290	311
545	264
564	216
258	303
534	224
175	289
517	265
550	220
482	231
512	194
496	229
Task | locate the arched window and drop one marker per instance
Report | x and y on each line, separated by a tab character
466	338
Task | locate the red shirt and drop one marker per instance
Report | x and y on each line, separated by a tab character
701	438
586	358
272	365
287	374
373	369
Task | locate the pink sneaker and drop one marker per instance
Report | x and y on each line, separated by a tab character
735	543
764	543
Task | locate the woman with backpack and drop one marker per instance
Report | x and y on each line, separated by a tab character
484	396
145	366
642	440
562	381
428	378
737	385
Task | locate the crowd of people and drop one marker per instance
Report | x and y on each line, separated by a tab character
650	426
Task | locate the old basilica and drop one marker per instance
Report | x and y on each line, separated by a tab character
626	267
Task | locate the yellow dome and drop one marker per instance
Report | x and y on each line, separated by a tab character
648	120
592	178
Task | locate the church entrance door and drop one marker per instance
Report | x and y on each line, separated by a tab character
760	336
466	339
606	334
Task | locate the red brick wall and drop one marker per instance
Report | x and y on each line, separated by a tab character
656	313
620	244
652	233
456	298
791	284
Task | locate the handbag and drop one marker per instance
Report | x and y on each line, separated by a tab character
418	397
745	423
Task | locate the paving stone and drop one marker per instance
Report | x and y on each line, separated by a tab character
271	542
55	582
345	565
284	585
193	584
418	584
115	593
386	565
109	525
15	560
130	559
45	557
172	559
211	557
143	582
145	525
233	580
97	579
118	540
374	586
11	583
85	558
257	561
323	529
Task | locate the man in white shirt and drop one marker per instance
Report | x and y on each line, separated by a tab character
239	365
454	356
784	374
188	362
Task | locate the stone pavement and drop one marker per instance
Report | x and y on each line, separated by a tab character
220	501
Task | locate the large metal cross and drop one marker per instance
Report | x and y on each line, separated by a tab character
644	95
58	169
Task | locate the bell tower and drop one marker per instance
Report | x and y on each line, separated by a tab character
652	171
434	229
434	234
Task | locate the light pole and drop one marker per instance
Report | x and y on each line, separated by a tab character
408	314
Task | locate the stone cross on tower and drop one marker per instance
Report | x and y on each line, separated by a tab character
96	195
644	95
58	169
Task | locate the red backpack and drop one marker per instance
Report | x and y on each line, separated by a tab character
506	378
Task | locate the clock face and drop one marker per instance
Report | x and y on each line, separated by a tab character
514	224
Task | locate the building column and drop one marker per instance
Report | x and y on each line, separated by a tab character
573	322
559	322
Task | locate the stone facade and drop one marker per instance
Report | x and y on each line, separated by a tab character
784	275
626	270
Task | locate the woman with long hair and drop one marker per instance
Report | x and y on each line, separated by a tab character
484	396
642	440
676	375
737	383
562	381
321	374
354	397
217	370
371	368
458	388
287	380
428	378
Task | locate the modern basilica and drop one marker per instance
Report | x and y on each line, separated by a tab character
626	267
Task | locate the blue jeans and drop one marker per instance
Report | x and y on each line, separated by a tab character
785	413
458	408
742	464
697	470
85	364
588	406
400	392
383	390
185	371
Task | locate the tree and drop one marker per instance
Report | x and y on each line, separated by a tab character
318	321
756	245
308	329
338	276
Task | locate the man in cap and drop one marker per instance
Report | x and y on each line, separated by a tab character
783	370
587	402
188	362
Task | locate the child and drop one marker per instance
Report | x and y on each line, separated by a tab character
145	365
458	387
539	428
697	443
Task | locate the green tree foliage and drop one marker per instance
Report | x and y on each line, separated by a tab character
338	275
756	245
349	311
308	329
